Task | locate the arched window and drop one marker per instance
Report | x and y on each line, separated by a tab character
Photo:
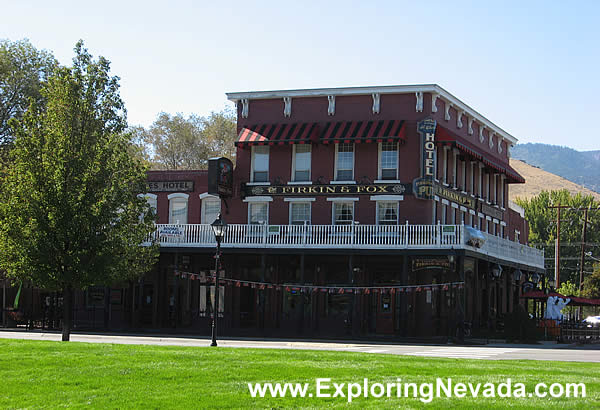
178	208
211	206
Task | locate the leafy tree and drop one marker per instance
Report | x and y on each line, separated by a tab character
591	284
70	216
542	228
23	70
177	142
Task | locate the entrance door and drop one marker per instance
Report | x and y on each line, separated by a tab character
385	314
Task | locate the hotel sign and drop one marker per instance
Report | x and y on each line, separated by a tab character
333	189
170	186
426	129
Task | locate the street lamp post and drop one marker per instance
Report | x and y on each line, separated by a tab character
218	227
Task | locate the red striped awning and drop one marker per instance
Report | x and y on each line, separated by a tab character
278	134
445	137
363	131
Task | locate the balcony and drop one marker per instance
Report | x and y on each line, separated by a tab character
346	237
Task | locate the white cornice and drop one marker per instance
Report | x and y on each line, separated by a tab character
387	89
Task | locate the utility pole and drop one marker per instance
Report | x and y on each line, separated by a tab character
583	238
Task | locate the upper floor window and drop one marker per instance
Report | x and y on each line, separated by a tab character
301	162
178	208
299	213
258	212
343	213
344	164
151	199
260	163
388	160
211	207
387	213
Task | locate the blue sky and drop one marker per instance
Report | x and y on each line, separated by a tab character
529	66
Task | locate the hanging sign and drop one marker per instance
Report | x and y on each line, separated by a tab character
430	263
220	177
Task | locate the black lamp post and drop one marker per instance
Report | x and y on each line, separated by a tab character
218	227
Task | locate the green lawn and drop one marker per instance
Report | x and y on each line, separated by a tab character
53	374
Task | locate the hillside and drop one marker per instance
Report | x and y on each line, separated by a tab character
582	168
537	180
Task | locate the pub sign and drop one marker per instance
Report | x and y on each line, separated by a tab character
220	177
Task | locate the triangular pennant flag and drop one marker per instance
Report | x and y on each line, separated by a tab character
418	289
445	287
367	291
393	291
287	288
341	291
460	285
262	286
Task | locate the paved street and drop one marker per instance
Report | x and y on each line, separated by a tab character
543	351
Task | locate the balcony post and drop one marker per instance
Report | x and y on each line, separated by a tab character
439	234
406	235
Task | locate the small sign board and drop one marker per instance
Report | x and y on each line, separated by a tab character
220	177
170	231
170	186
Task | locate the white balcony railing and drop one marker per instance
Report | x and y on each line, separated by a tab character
345	237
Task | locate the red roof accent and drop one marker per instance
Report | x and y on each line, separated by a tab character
363	131
271	134
443	136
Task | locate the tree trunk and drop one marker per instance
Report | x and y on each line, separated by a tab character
67	313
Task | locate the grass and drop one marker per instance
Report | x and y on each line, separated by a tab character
41	374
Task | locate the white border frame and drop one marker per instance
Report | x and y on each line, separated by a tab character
379	169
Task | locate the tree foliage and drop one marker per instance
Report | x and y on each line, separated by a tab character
543	228
70	216
175	142
23	70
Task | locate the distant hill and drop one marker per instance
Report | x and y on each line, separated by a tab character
580	167
538	180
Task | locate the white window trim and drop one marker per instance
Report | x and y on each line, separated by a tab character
177	195
379	169
207	195
298	183
387	198
342	182
397	212
259	199
350	200
387	181
300	202
299	199
342	199
252	148
335	168
294	165
258	183
454	205
258	202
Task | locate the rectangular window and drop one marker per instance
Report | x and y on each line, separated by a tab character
258	212
388	160
345	162
299	213
260	163
301	162
387	213
343	213
210	210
